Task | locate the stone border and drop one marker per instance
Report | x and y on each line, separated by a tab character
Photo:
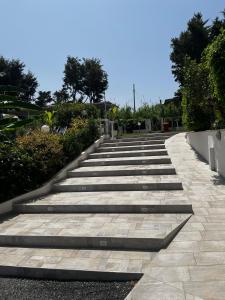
47	187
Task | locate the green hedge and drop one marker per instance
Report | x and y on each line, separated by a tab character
31	160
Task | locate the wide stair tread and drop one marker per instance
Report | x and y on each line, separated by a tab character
163	159
119	143
108	183
77	264
100	231
110	202
154	152
130	148
123	170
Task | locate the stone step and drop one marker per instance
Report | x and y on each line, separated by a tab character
110	202
133	143
73	264
134	139
117	183
126	170
129	154
145	160
131	148
150	232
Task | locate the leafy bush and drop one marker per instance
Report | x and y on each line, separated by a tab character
197	111
80	136
32	159
17	171
68	111
215	61
45	150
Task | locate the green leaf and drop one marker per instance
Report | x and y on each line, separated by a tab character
15	104
15	125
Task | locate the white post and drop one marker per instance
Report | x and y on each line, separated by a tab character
112	129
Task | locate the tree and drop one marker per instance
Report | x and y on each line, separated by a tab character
215	61
198	112
60	96
95	80
217	26
73	77
43	99
190	43
12	74
84	79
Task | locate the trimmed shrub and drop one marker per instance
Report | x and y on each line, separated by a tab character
45	150
80	136
17	171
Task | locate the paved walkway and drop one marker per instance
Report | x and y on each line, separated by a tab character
192	267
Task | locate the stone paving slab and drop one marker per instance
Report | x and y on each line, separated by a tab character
152	152
130	148
118	183
125	158
122	170
146	160
123	167
131	143
116	197
193	265
120	180
78	259
93	225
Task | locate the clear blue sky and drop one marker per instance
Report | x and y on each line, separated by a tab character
131	37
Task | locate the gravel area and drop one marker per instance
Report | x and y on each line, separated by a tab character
26	289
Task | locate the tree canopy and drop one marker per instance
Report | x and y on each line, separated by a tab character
85	79
12	74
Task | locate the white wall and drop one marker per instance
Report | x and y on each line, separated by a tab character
204	140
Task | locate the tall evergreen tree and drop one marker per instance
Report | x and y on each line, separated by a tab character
190	43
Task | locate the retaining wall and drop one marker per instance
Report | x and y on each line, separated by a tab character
210	144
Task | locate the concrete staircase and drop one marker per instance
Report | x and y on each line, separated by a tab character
122	201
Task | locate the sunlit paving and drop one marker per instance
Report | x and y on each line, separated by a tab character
112	146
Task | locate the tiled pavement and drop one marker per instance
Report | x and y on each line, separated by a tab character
192	267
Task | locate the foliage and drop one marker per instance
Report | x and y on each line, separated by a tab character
13	107
84	78
95	80
73	76
43	99
66	112
197	111
17	171
60	96
49	117
215	60
190	43
45	150
78	137
12	74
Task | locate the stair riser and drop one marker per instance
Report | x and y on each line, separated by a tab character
65	242
130	154
159	161
65	274
122	173
157	209
119	187
118	144
114	149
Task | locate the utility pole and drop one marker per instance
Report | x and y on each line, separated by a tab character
134	97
